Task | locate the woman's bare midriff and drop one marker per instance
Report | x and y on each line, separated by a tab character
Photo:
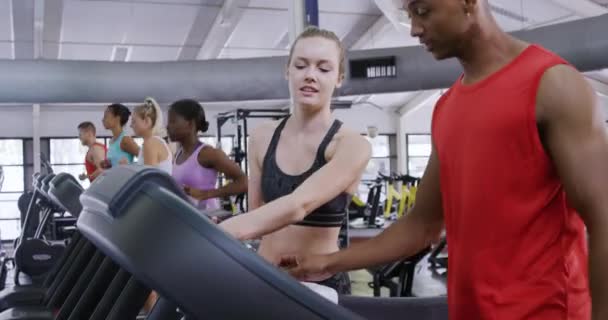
299	240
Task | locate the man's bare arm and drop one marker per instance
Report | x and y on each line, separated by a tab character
575	136
97	156
404	238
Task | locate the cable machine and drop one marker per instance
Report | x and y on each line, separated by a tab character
239	117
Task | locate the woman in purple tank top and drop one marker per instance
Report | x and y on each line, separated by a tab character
197	165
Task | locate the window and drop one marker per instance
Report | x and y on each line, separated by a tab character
67	155
227	143
10	217
67	151
418	153
382	160
381	157
13	178
11	160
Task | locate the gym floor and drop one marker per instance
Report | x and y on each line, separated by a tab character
426	283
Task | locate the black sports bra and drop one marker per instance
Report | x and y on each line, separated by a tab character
276	183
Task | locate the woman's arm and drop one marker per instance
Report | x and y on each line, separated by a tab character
346	166
216	159
128	144
151	150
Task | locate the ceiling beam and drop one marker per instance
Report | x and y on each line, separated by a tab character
199	31
364	33
421	99
361	36
583	8
23	28
38	28
223	27
296	12
392	10
51	34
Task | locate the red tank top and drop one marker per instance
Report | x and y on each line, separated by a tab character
89	166
517	249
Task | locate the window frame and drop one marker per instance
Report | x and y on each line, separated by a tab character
408	157
50	139
23	165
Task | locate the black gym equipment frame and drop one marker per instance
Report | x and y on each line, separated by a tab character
240	116
239	149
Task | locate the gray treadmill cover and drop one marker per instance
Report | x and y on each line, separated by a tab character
65	192
140	218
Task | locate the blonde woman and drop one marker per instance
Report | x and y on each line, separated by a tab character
147	122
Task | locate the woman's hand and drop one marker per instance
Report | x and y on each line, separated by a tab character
198	194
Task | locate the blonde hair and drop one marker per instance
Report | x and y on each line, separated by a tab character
151	109
313	32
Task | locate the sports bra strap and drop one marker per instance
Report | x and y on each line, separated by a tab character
327	139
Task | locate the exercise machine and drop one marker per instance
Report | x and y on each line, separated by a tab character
30	212
398	276
409	188
239	118
437	260
65	191
25	200
133	204
34	256
3	266
368	211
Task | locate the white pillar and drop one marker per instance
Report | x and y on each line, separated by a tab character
297	23
36	136
297	18
401	145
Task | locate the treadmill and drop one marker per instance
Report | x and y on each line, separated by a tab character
65	191
31	221
196	268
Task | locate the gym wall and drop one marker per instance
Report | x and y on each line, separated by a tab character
61	121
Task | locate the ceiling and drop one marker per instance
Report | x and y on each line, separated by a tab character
170	30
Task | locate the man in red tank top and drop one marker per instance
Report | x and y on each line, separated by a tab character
519	167
96	153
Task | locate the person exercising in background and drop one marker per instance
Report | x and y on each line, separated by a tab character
517	170
147	122
96	152
122	149
196	165
305	168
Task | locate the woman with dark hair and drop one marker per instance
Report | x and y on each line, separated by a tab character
196	165
122	148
